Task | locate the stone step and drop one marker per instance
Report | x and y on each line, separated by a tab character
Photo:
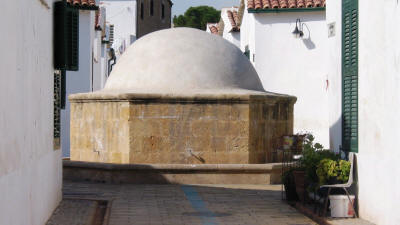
173	173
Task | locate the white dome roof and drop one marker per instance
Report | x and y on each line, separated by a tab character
182	60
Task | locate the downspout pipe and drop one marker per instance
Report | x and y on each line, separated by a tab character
113	58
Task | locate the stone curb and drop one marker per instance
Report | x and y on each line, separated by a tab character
223	168
199	97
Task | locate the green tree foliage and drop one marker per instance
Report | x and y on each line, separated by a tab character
197	17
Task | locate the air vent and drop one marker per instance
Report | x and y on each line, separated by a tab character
111	35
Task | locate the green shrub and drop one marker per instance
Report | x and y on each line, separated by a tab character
313	153
333	171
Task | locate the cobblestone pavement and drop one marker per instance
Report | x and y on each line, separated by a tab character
186	204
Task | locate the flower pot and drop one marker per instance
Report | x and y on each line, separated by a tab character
290	187
299	180
341	206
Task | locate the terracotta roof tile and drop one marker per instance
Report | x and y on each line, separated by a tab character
300	4
283	3
250	4
97	25
233	20
317	3
213	29
258	4
292	4
276	4
266	4
309	3
82	3
236	17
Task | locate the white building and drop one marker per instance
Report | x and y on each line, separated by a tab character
228	27
212	28
101	50
93	68
133	19
104	31
231	25
363	112
122	14
296	66
30	167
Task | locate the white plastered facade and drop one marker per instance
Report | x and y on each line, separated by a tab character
122	14
228	33
30	169
297	67
379	90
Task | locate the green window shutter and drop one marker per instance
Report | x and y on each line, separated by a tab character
66	37
350	75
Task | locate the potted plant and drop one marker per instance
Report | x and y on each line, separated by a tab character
336	172
305	176
333	172
289	185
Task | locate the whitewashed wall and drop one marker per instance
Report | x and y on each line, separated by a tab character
379	91
121	13
30	170
81	80
247	33
231	36
295	66
100	59
333	16
379	109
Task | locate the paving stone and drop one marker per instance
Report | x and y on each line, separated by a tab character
191	205
73	212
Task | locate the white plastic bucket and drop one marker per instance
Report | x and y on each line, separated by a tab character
340	205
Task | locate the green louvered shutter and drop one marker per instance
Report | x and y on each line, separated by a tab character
350	75
66	37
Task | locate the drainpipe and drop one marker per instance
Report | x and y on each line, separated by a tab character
113	58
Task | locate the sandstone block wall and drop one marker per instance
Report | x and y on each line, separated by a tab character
176	132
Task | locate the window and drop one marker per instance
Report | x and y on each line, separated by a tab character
141	10
151	7
350	75
66	37
162	11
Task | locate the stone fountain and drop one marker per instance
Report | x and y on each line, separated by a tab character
180	96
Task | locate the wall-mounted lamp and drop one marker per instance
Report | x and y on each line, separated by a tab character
298	31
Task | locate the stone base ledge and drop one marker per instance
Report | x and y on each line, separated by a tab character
173	173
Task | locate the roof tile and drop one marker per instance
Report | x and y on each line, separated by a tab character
233	19
266	4
275	4
97	25
250	4
258	4
292	4
213	29
236	17
283	3
309	3
84	3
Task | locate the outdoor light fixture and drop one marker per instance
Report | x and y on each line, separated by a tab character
298	31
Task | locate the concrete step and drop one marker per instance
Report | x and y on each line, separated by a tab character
173	173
